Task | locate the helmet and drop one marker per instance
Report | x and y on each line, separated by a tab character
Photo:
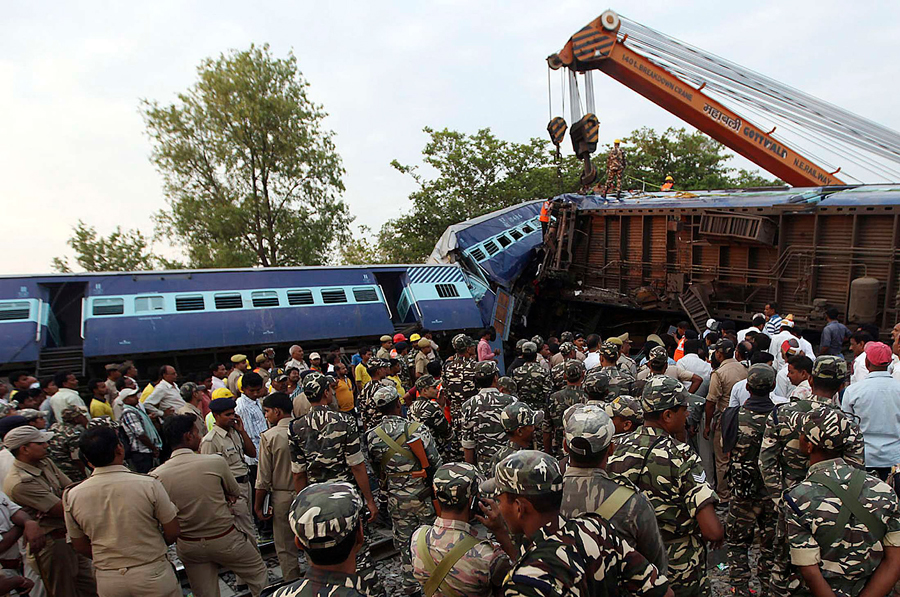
669	179
617	141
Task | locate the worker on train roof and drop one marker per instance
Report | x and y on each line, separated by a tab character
667	186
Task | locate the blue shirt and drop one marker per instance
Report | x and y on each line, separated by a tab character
773	326
833	337
251	413
876	401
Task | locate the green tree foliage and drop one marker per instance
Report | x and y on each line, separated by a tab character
120	251
477	174
251	176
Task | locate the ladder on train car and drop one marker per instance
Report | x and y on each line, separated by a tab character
694	306
66	358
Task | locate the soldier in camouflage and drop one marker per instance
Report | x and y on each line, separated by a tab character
378	370
596	386
396	449
843	525
671	476
587	487
615	168
626	414
402	349
325	447
480	566
751	507
578	557
327	520
542	361
426	410
63	446
558	371
507	386
624	362
519	422
784	465
572	394
533	383
482	431
458	385
620	382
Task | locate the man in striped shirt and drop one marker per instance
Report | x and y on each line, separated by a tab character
773	325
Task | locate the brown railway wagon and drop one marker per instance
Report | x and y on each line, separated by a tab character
725	254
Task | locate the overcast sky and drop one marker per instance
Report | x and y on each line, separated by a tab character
72	74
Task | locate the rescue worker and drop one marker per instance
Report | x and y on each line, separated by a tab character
519	422
587	487
668	185
672	477
620	382
426	410
626	414
404	456
552	426
533	383
457	386
615	168
482	430
545	218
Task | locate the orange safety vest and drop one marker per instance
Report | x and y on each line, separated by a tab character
679	352
545	212
667	187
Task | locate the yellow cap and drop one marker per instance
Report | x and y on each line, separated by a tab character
222	393
617	141
669	179
415	338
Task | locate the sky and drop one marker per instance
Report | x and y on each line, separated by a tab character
72	75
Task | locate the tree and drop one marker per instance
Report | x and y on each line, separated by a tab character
359	250
120	251
250	174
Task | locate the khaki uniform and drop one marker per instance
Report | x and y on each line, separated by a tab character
38	489
199	486
421	363
231	382
120	512
274	475
199	421
720	383
230	446
301	405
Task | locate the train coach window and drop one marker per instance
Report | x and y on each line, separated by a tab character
145	304
14	310
527	229
515	234
229	300
446	290
189	302
298	298
108	306
331	296
264	298
504	241
365	295
478	254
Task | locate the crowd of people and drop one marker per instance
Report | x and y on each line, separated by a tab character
583	469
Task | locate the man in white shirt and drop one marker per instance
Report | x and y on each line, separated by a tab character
166	397
67	395
219	373
296	361
758	323
799	372
593	357
740	393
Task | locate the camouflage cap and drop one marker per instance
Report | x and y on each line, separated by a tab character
658	355
566	348
726	346
566	337
538	339
426	381
529	348
573	369
486	370
32	414
520	344
461	342
761	377
7	409
104	421
323	514
609	350
508	385
314	385
626	407
830	367
456	482
385	395
661	393
71	413
519	414
188	388
596	383
588	429
377	363
528	472
826	428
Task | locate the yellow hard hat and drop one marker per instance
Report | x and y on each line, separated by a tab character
221	393
669	179
415	338
617	141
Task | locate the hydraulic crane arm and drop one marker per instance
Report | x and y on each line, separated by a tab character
598	46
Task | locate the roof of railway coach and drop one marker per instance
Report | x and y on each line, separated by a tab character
864	195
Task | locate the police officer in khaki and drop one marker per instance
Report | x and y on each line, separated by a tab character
202	487
228	439
36	484
114	516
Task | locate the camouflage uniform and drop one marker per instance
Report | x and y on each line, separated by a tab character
596	386
458	385
369	414
514	416
483	566
783	465
674	481
534	385
559	402
508	386
482	430
751	506
620	383
405	379
322	515
63	446
558	371
846	549
589	431
403	479
578	557
325	444
429	413
615	167
628	409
